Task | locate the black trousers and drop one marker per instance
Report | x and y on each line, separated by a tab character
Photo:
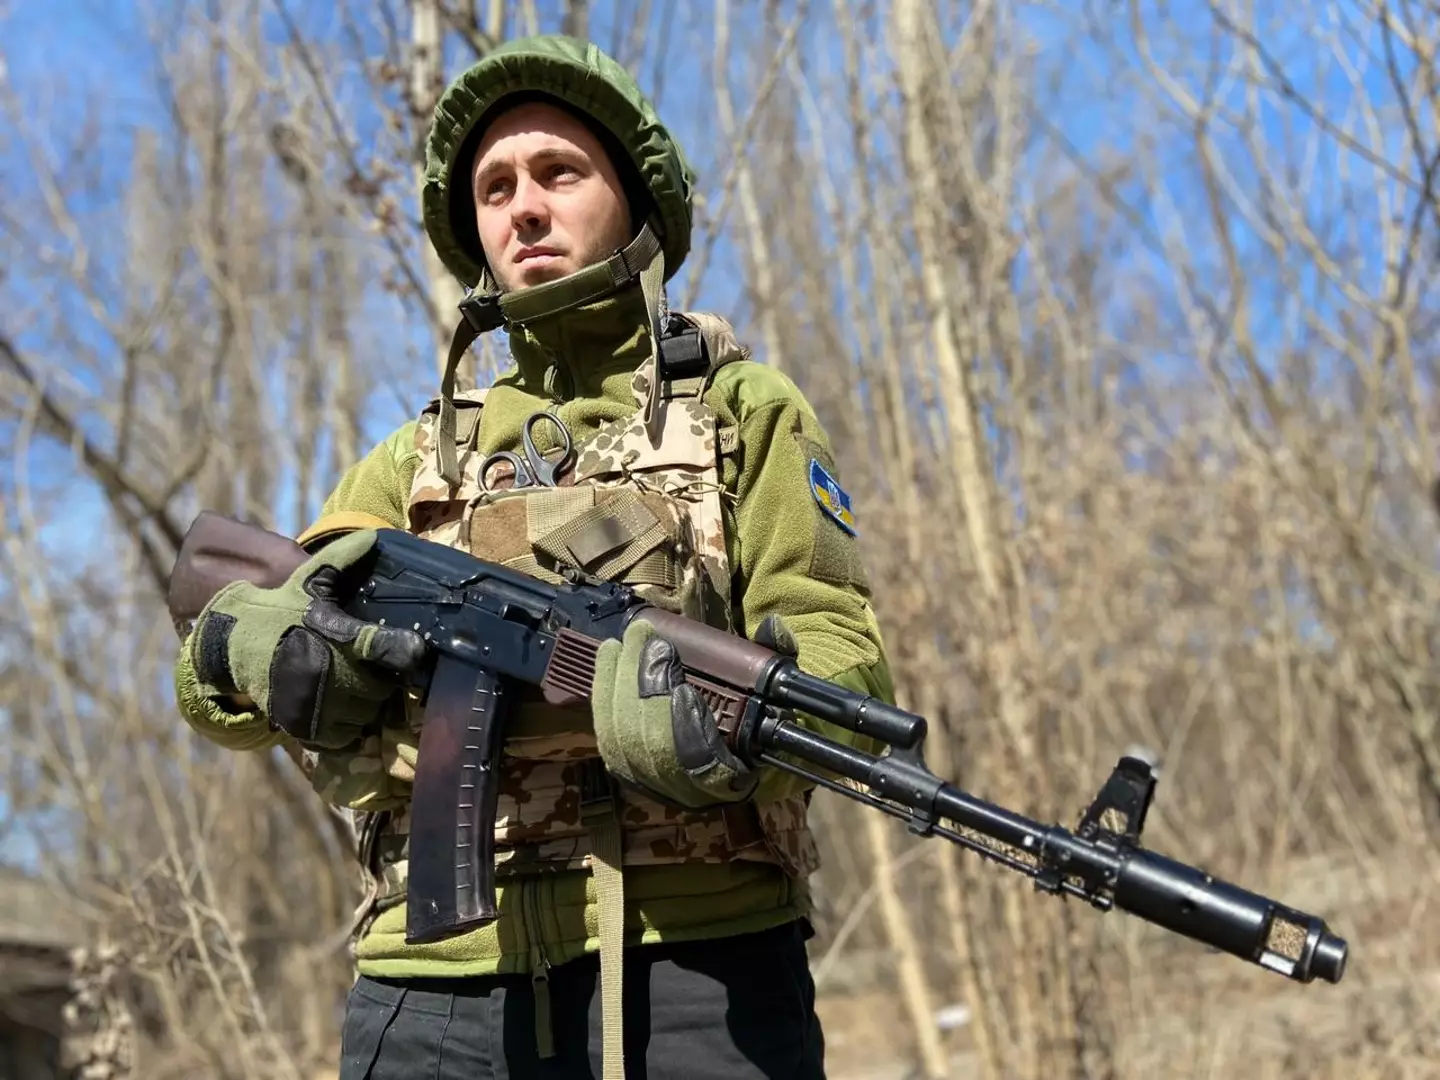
734	1008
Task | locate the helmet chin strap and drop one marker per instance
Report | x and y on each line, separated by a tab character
488	308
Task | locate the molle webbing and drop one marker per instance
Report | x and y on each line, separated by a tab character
608	532
620	535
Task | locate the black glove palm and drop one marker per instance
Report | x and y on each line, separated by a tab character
313	670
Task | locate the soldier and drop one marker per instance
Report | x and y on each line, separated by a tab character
699	477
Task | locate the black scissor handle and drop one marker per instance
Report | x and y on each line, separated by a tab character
518	468
542	470
534	469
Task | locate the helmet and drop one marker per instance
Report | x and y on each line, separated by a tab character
581	78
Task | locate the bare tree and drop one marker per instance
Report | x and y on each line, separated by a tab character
1121	322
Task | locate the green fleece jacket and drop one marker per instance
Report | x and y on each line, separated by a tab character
788	557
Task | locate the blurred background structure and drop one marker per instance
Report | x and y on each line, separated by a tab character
1120	316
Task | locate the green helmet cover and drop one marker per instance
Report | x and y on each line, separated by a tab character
582	76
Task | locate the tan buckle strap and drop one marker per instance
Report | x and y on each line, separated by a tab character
445	440
600	814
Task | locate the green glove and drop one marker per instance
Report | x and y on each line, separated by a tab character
655	731
315	672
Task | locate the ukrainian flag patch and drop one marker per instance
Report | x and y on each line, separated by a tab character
831	497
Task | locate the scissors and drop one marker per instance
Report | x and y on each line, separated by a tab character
535	470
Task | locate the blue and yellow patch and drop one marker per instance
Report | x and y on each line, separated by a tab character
831	497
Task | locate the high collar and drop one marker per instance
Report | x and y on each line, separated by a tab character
588	351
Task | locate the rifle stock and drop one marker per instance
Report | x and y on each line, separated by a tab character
218	551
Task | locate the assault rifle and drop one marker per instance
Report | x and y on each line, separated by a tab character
491	628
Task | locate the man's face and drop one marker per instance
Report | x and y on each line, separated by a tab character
547	199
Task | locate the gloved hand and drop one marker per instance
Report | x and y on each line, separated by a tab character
655	731
313	671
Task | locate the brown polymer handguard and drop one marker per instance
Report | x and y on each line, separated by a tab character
738	666
726	669
218	551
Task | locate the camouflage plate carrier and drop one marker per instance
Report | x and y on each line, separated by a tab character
650	515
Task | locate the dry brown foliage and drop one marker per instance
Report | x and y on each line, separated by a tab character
1121	322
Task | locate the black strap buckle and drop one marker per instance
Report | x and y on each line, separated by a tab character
482	311
682	352
597	788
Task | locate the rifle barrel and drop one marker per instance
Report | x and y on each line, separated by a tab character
1106	869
